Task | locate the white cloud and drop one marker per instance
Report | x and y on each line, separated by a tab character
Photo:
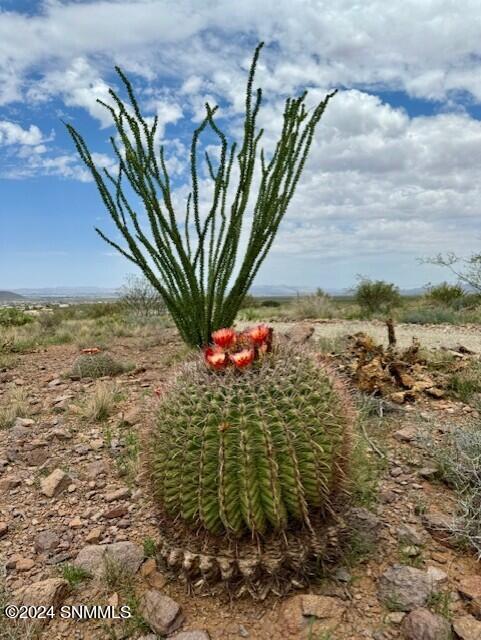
79	86
12	133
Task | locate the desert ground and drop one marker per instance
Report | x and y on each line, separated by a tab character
74	482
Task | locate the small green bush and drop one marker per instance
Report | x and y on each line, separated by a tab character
376	296
10	317
97	365
445	293
270	303
429	315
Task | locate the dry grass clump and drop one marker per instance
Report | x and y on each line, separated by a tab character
101	402
459	465
14	405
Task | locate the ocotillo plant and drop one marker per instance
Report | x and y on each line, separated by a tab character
194	264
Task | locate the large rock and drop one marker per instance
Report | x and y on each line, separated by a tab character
422	624
54	483
161	613
405	588
94	557
467	628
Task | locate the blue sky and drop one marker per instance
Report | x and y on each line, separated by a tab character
395	170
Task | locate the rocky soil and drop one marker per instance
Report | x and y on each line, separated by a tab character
73	493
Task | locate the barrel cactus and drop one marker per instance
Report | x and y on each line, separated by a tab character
93	363
255	462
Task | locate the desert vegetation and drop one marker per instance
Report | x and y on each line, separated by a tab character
204	458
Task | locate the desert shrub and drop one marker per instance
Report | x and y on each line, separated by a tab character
307	307
140	298
270	303
10	317
445	293
49	320
465	383
429	315
253	452
97	365
459	465
376	296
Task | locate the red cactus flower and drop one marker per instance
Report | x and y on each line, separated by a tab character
259	334
243	358
215	358
224	338
91	351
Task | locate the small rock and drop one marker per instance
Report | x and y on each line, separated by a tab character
24	422
365	524
131	417
410	535
118	494
46	541
9	482
470	587
439	527
148	567
300	333
156	580
321	607
406	435
428	473
94	535
298	611
3	529
405	587
50	592
92	558
190	635
422	624
437	576
467	628
116	512
24	564
36	457
161	613
395	617
54	483
75	523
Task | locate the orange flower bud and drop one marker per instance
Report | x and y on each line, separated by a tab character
243	359
215	358
91	351
259	334
224	338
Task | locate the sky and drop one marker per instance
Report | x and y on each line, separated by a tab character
394	173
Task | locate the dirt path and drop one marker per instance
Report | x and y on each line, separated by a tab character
430	336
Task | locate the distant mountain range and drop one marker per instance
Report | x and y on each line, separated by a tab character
102	293
9	296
